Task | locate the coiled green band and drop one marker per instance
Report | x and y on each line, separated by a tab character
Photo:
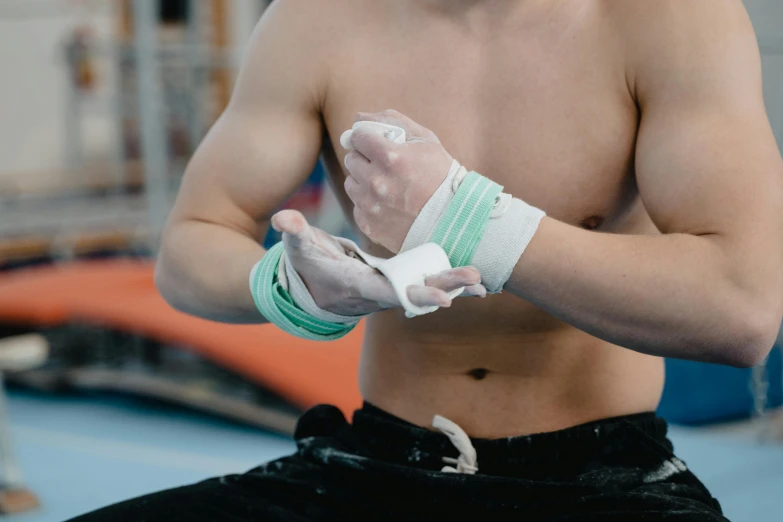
462	225
276	305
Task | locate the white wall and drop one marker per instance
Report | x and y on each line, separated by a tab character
34	83
767	16
244	16
34	86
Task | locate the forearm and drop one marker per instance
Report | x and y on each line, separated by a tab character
672	295
203	270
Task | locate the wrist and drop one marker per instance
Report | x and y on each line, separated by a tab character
277	306
476	224
304	300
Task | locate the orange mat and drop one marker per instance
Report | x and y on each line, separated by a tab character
121	295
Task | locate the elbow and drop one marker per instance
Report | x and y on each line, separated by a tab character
161	280
752	337
164	280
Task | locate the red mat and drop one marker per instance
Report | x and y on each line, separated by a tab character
122	295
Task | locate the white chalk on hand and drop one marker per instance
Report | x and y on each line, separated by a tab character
408	268
390	132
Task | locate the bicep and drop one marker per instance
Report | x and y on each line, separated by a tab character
706	159
268	139
708	169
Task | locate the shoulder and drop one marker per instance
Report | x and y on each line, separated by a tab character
304	39
321	21
298	24
673	23
681	38
288	56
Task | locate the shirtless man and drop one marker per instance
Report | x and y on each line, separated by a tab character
638	127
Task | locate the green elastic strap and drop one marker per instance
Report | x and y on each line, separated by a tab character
275	303
462	225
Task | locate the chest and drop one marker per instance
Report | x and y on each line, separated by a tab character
546	113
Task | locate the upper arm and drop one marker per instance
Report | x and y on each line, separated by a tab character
706	160
267	141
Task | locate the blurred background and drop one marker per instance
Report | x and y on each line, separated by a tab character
107	392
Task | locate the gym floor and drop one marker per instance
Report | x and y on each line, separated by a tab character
79	452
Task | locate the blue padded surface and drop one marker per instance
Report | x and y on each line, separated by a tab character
79	452
746	477
700	393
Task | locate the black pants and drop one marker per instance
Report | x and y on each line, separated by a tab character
383	468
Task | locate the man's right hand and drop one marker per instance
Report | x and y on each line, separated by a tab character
345	285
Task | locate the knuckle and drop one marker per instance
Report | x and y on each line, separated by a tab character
379	186
392	158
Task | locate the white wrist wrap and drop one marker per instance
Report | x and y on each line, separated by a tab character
292	282
510	228
504	242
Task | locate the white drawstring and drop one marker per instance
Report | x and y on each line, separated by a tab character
466	462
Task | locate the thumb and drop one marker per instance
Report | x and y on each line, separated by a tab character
295	228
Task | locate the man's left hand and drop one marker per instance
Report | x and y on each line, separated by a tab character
390	183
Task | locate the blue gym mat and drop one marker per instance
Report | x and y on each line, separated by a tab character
79	452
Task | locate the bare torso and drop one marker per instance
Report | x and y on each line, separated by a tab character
533	95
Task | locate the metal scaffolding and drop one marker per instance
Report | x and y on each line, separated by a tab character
153	135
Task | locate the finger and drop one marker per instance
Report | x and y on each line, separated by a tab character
376	288
379	290
450	280
374	147
353	189
354	158
358	166
474	291
392	117
428	296
294	227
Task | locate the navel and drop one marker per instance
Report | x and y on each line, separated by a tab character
478	373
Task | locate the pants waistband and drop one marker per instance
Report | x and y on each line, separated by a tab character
383	436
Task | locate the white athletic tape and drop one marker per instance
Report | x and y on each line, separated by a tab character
390	132
505	240
409	268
